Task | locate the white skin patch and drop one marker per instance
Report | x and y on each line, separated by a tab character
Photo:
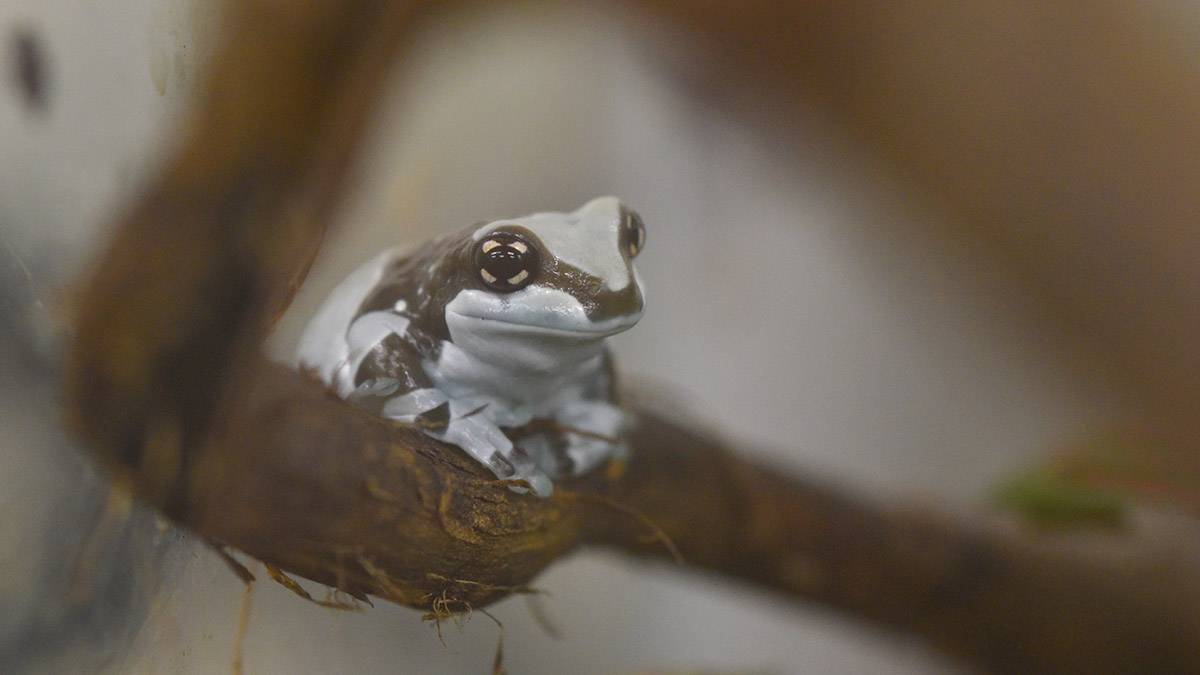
587	239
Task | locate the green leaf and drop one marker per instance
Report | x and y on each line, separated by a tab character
1047	500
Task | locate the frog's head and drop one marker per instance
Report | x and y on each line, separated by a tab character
560	276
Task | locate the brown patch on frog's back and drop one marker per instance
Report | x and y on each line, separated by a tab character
425	293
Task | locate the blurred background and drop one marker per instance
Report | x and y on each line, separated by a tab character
797	302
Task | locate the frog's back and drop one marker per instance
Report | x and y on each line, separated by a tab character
323	349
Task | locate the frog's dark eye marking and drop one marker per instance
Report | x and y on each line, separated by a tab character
634	235
506	262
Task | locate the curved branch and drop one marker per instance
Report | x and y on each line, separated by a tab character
214	249
166	386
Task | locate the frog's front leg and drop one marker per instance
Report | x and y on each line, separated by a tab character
472	430
595	432
391	383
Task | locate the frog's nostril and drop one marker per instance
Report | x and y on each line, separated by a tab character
610	304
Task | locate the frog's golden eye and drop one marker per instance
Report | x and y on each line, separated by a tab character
506	262
634	235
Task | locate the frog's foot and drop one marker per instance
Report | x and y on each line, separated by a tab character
533	481
487	444
594	432
587	453
374	395
518	466
427	408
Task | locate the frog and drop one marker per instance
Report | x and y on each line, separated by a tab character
494	339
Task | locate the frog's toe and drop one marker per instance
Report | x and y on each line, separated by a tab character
539	484
588	453
435	419
500	466
518	465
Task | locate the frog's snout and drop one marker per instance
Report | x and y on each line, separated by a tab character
626	302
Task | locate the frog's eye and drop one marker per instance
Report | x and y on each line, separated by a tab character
635	234
506	262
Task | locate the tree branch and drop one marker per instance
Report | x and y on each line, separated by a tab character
166	385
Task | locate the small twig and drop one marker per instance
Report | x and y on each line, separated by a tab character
544	425
281	578
519	590
243	623
498	660
657	533
118	505
537	609
240	570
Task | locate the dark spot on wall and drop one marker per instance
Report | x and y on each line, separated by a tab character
28	70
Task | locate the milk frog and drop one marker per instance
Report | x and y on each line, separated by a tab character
493	338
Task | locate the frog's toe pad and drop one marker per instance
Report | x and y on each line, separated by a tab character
539	483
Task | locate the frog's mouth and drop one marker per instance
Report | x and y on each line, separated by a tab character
533	312
552	327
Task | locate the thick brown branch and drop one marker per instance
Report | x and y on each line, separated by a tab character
998	598
166	386
306	482
212	252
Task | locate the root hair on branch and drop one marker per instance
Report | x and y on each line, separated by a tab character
657	533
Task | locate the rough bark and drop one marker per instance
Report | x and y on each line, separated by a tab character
166	385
